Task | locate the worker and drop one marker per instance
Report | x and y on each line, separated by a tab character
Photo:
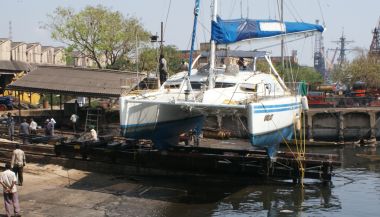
18	162
33	127
74	118
94	135
24	132
10	126
163	69
8	181
48	127
53	122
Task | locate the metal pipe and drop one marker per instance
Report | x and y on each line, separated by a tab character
196	13
212	48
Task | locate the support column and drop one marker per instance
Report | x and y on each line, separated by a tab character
372	116
89	101
341	127
19	106
30	97
60	102
309	117
51	102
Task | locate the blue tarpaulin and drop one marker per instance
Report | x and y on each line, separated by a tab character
230	31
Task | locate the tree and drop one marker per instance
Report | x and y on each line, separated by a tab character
365	68
292	73
98	33
148	60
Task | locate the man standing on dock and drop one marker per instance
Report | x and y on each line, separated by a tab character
33	127
10	126
24	132
18	162
53	122
74	118
163	69
8	181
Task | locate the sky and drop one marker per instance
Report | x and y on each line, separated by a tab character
353	17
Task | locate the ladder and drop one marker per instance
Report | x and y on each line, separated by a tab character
93	118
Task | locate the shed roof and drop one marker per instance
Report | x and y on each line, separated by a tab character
75	81
14	66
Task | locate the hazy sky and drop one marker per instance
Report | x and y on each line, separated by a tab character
356	18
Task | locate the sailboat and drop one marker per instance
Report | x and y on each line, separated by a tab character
261	99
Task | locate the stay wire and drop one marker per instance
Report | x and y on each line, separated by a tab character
167	15
321	11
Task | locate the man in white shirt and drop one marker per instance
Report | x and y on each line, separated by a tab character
33	127
53	122
74	118
8	181
18	162
94	135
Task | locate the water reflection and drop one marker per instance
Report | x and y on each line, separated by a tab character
277	200
355	191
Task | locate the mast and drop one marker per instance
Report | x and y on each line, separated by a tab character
196	13
282	38
212	48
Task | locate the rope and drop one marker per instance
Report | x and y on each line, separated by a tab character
167	15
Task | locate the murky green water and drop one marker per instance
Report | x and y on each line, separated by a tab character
355	191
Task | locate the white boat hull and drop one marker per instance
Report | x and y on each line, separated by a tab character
161	123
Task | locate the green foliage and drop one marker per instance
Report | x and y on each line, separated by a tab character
69	57
148	60
294	73
363	68
102	35
304	73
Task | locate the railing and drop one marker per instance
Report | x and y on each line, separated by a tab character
342	102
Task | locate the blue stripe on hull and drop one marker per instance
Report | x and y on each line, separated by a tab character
270	141
163	134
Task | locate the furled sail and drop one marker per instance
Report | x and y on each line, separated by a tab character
230	31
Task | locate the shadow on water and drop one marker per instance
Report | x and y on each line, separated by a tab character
192	197
198	197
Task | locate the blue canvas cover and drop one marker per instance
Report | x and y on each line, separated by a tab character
230	31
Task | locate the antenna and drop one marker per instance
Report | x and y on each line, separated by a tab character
10	30
241	9
374	49
319	58
342	43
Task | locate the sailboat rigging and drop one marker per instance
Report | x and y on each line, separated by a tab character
229	84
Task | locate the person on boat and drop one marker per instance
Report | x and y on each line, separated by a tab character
241	63
163	69
184	66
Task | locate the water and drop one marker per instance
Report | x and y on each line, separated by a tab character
354	191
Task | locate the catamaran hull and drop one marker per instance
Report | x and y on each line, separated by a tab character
273	121
161	123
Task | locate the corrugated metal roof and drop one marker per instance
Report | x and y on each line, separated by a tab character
17	66
75	81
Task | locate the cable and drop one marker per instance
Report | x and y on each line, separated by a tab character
167	15
320	9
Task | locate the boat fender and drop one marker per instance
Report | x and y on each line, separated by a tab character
298	123
305	104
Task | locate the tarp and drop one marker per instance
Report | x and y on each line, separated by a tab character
230	31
